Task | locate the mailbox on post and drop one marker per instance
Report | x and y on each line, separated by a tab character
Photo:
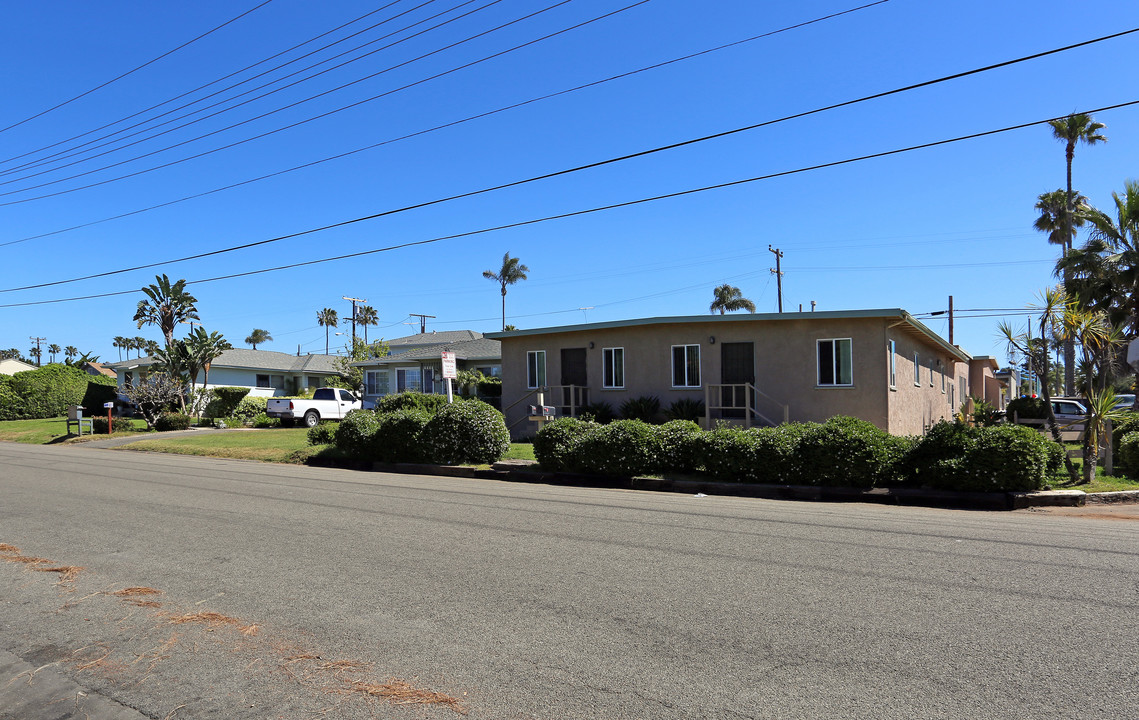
542	412
109	407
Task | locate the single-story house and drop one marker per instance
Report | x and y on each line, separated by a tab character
419	367
264	372
430	339
883	366
11	366
94	368
987	382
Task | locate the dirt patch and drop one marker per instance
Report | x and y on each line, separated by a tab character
1118	512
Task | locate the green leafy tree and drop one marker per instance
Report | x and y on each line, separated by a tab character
512	271
167	304
152	347
257	337
349	376
327	318
1071	130
727	298
366	315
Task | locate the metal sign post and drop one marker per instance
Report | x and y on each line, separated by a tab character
450	372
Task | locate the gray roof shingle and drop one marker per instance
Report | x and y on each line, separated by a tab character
254	360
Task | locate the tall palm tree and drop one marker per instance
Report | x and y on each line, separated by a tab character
1076	128
70	352
36	353
167	305
257	337
208	348
1112	253
53	350
327	318
139	346
119	343
366	315
512	271
728	298
151	347
1053	220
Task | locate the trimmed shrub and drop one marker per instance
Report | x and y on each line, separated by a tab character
645	408
399	437
47	391
323	433
404	400
1129	453
490	387
601	412
847	452
168	421
1000	458
356	432
1026	407
681	446
685	409
100	390
249	408
555	445
262	420
775	454
1119	431
728	455
99	425
466	432
225	401
623	448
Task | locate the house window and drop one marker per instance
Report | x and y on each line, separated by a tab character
263	381
428	375
892	348
376	382
931	372
315	381
917	370
686	366
836	366
535	369
407	379
942	378
613	368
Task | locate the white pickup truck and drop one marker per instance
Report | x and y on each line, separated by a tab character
326	404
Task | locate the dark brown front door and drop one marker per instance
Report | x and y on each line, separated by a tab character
737	366
574	373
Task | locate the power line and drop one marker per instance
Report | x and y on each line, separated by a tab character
443	126
58	159
134	70
222	79
535	221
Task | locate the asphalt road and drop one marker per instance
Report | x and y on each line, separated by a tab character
531	601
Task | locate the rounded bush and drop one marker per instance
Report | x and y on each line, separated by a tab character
466	432
847	452
773	454
172	421
249	407
1129	453
555	445
728	455
411	400
225	401
355	434
399	437
99	425
322	434
1026	407
623	449
681	445
1000	458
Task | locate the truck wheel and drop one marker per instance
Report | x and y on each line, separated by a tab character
312	417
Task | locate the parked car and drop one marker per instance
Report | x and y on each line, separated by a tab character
1124	402
326	404
1069	413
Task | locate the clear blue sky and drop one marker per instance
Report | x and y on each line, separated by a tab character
906	231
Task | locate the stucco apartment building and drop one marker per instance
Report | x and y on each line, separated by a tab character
883	366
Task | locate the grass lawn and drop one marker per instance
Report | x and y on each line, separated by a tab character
281	445
519	451
51	430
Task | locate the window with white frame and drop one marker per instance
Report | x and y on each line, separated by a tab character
613	368
535	369
892	348
931	372
686	366
836	366
407	380
376	382
917	370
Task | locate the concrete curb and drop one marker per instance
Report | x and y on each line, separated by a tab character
1114	498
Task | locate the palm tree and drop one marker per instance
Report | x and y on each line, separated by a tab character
1053	220
728	298
326	318
119	343
70	352
168	305
152	347
206	348
257	337
511	272
1111	257
36	353
366	315
139	346
1076	128
53	350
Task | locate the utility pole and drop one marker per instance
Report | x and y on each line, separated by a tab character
39	353
354	301
778	272
950	319
422	321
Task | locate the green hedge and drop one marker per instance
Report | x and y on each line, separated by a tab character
225	401
172	421
555	445
622	448
1026	407
407	400
355	432
399	437
1128	449
323	433
982	459
47	392
466	432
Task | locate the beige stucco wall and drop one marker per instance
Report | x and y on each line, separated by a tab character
916	407
785	368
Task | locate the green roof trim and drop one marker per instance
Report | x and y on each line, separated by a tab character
884	313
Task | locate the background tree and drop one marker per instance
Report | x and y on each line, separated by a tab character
70	352
351	377
1076	128
139	345
172	362
366	315
167	304
257	337
327	318
511	272
152	347
1106	269
36	353
1054	221
206	348
119	343
53	350
152	397
727	298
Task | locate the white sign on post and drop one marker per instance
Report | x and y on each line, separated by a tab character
449	371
